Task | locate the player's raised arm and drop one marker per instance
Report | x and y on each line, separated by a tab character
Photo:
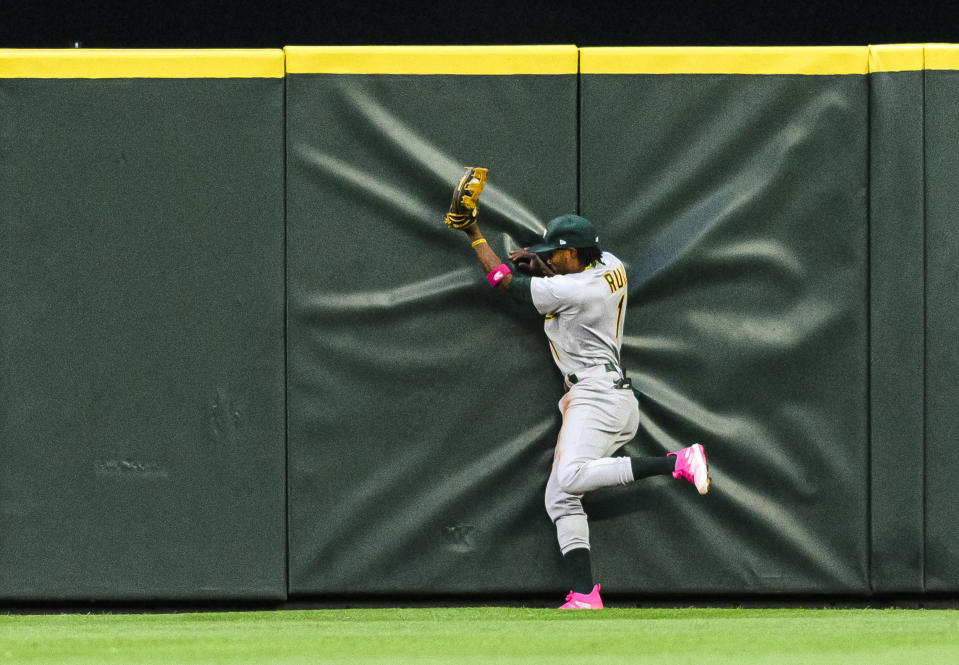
462	217
498	274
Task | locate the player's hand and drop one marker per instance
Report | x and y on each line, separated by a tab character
529	263
463	209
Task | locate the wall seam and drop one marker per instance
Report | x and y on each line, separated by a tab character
869	323
286	337
579	131
925	328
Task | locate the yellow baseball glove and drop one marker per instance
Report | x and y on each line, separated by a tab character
465	198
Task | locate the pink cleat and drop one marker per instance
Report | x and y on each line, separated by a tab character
691	465
583	601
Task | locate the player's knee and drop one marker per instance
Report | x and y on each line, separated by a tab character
554	508
560	504
569	478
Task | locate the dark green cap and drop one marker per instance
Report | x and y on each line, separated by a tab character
567	231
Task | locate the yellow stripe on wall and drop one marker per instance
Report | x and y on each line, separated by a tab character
141	63
809	60
477	60
942	56
896	58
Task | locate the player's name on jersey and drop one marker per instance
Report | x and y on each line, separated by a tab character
616	278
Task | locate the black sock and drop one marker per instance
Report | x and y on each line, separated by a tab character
578	570
644	467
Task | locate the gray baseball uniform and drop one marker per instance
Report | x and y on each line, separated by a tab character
585	313
585	308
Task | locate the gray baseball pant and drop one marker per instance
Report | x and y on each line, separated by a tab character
597	421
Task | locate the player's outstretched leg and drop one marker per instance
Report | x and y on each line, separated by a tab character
691	465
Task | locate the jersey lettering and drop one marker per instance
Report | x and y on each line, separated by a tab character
616	279
619	313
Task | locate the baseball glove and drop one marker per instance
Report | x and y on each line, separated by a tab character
465	197
529	263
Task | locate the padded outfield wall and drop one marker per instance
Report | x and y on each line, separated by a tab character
785	214
142	443
734	185
410	472
897	322
941	135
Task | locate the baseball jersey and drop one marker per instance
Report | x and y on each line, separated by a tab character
585	312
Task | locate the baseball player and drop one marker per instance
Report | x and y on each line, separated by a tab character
581	291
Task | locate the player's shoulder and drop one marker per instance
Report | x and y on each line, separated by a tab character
558	283
608	261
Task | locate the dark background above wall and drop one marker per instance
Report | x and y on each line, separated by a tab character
260	23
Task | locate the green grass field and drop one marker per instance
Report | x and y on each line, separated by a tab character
488	635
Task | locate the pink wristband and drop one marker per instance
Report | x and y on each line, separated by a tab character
496	275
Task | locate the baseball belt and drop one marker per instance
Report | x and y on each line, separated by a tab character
622	382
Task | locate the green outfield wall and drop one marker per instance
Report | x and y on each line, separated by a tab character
739	202
142	443
422	409
242	358
897	317
941	572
